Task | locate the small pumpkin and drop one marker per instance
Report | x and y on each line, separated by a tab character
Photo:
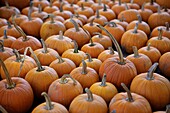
51	8
43	3
2	22
49	106
84	10
86	3
152	6
71	7
81	17
164	3
26	9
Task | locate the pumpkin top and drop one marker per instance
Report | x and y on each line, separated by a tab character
2	46
151	71
129	95
63	79
89	95
49	105
103	83
44	46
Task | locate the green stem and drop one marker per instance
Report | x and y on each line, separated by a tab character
149	46
30	11
99	34
75	24
44	46
63	79
17	55
104	8
135	50
60	59
122	18
84	68
5	34
75	46
167	26
49	105
151	71
121	59
89	95
103	83
6	4
160	33
3	109
111	50
139	18
129	95
97	14
2	46
10	83
89	57
39	8
136	28
52	19
9	25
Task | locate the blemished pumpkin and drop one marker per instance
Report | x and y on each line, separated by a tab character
17	90
126	102
88	103
62	66
122	69
154	87
104	89
133	37
71	7
121	22
85	75
87	3
49	106
141	61
40	74
64	90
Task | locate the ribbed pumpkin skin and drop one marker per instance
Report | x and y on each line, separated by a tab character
106	54
117	73
165	3
155	91
18	99
6	54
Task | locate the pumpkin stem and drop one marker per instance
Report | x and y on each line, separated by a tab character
3	109
75	46
143	6
99	34
89	95
60	35
121	59
168	109
10	83
160	33
129	95
60	59
9	25
103	83
72	3
122	18
51	3
104	8
151	71
75	24
82	7
52	18
84	68
40	68
159	10
131	1
120	2
149	46
97	14
18	56
112	24
2	46
151	2
5	34
16	13
135	50
167	26
44	46
111	50
89	57
136	28
6	4
63	79
39	8
19	30
114	111
126	6
91	22
30	11
139	18
61	7
99	2
49	105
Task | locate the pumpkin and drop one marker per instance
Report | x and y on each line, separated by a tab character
141	61
86	3
84	10
98	5
13	64
104	40
7	11
152	52
145	13
164	64
115	29
160	19
26	9
129	102
62	66
133	5
64	90
88	103
8	40
45	55
141	25
152	6
49	106
121	22
81	17
107	54
92	63
25	41
43	3
100	19
164	3
155	83
141	2
74	54
108	13
51	8
160	42
133	37
68	24
117	67
58	18
86	76
58	3
40	74
104	89
71	7
16	89
2	22
77	34
51	27
10	30
59	43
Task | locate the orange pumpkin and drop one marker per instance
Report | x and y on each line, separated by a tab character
129	102
2	22
167	110
43	3
17	90
51	8
49	106
71	7
145	83
152	6
104	89
87	3
87	11
164	3
26	9
66	90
